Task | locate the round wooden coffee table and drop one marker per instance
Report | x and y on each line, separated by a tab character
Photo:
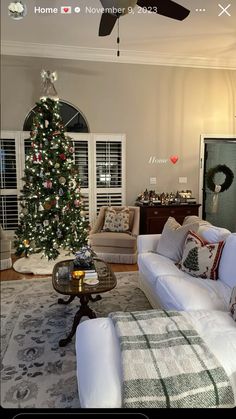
63	284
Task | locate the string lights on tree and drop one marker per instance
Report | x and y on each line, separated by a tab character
52	210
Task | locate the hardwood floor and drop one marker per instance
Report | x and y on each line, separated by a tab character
12	275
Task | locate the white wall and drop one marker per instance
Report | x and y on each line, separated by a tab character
162	110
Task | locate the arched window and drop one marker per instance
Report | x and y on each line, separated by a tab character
73	119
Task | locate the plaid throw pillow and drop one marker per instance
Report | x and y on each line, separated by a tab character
116	221
232	304
199	258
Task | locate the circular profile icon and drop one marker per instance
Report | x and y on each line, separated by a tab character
17	10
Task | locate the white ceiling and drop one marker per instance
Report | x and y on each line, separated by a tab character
203	39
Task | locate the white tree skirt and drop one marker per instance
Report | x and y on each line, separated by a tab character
38	264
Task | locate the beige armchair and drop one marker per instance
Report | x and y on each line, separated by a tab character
5	251
116	247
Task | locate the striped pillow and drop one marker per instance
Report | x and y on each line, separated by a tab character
201	259
232	304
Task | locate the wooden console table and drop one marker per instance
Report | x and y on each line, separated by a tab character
153	218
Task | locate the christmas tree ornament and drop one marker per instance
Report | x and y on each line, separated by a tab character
61	192
57	165
46	223
41	207
26	243
46	122
25	211
33	134
53	202
62	156
47	205
76	203
59	233
47	184
48	88
37	158
72	184
62	180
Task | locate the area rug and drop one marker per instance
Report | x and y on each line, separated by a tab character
36	372
38	264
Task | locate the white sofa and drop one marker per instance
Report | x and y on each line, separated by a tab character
207	303
99	365
167	287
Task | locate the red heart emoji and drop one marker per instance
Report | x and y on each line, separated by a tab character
174	159
66	9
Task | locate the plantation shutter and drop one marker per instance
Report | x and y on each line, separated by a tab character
110	170
99	158
9	179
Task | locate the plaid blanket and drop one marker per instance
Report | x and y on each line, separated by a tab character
167	364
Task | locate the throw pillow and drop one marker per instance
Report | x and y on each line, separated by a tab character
201	259
172	239
116	220
232	304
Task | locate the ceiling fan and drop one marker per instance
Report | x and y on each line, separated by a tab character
113	9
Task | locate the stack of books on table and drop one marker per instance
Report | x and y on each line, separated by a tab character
90	273
91	277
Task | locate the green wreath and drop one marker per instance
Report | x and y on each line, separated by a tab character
221	168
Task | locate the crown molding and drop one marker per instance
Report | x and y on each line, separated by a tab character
28	49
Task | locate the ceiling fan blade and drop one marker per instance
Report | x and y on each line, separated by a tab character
107	23
166	8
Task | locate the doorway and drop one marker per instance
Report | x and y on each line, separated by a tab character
218	208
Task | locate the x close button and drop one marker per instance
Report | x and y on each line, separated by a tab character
224	10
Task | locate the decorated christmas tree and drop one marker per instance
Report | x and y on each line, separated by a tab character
52	212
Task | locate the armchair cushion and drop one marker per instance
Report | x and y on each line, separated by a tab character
116	221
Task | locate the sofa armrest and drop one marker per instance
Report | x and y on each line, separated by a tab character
147	243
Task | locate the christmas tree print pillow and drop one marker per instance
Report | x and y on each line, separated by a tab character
232	304
201	259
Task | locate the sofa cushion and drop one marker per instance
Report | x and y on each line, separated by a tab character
213	234
176	290
110	239
206	230
116	221
201	259
190	219
227	267
232	304
173	237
